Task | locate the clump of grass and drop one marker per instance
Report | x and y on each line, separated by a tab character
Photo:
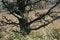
56	34
51	35
13	36
1	35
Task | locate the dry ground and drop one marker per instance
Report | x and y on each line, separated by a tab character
45	30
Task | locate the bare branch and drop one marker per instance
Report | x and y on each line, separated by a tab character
48	13
2	23
58	17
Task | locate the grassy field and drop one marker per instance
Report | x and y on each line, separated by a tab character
50	32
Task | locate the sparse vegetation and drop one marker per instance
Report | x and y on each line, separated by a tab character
51	35
29	20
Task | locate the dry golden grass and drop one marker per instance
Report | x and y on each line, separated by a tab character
40	34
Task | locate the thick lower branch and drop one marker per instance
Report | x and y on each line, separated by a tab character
45	24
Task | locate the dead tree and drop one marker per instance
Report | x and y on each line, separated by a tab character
23	19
